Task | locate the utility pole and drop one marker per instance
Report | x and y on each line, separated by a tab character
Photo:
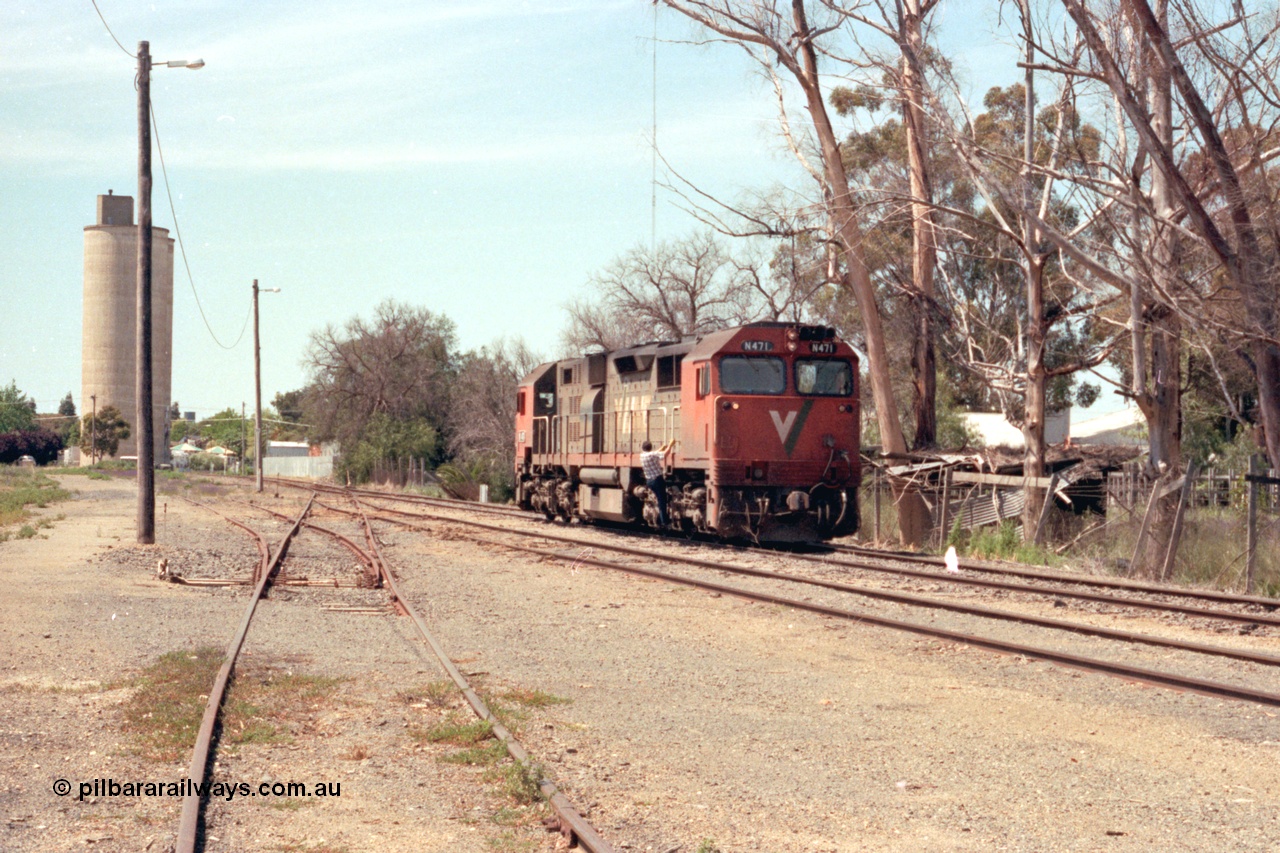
145	424
257	388
93	432
257	395
244	437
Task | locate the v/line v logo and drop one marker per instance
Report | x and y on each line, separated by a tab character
790	426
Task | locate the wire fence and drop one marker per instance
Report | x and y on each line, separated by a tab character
1229	536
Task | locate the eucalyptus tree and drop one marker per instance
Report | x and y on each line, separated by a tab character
786	39
484	407
904	25
1210	71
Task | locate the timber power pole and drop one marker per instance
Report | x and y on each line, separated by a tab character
257	386
257	394
145	424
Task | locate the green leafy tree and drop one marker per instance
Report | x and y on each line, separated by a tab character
396	366
103	437
229	429
483	411
283	421
386	439
288	405
17	411
68	428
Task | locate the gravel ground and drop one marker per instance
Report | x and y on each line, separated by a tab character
694	722
705	717
84	616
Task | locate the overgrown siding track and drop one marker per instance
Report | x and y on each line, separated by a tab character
374	573
1196	670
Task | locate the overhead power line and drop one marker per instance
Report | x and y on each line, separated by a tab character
177	230
182	248
108	29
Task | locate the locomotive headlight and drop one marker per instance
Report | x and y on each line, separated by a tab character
727	405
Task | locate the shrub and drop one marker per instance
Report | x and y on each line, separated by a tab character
41	444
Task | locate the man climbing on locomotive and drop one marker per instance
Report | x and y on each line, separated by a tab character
654	463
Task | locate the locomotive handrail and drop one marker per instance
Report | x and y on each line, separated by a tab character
555	429
550	440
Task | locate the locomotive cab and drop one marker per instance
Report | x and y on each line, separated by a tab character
777	408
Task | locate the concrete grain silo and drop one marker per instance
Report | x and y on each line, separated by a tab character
109	359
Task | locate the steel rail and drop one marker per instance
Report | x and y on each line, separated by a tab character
1031	574
1012	586
373	494
1056	591
264	550
908	599
345	541
1063	577
572	825
449	503
1150	676
189	825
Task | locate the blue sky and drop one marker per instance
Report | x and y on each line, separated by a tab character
479	158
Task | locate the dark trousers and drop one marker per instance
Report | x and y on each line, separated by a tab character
658	485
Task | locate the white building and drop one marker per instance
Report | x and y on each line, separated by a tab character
995	431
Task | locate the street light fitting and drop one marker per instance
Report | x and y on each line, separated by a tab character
193	64
268	290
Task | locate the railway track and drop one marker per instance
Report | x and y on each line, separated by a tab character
1024	573
997	577
986	639
1058	586
376	573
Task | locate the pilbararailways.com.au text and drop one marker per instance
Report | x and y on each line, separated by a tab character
184	788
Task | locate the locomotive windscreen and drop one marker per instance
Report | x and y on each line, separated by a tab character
825	377
741	374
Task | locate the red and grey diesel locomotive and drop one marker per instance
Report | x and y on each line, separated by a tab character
763	421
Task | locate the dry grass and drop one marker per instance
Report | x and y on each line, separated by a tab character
169	697
532	698
437	694
456	731
1212	552
22	488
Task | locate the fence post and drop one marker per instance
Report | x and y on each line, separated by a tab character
1044	509
1176	537
876	497
1146	523
1251	548
942	512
